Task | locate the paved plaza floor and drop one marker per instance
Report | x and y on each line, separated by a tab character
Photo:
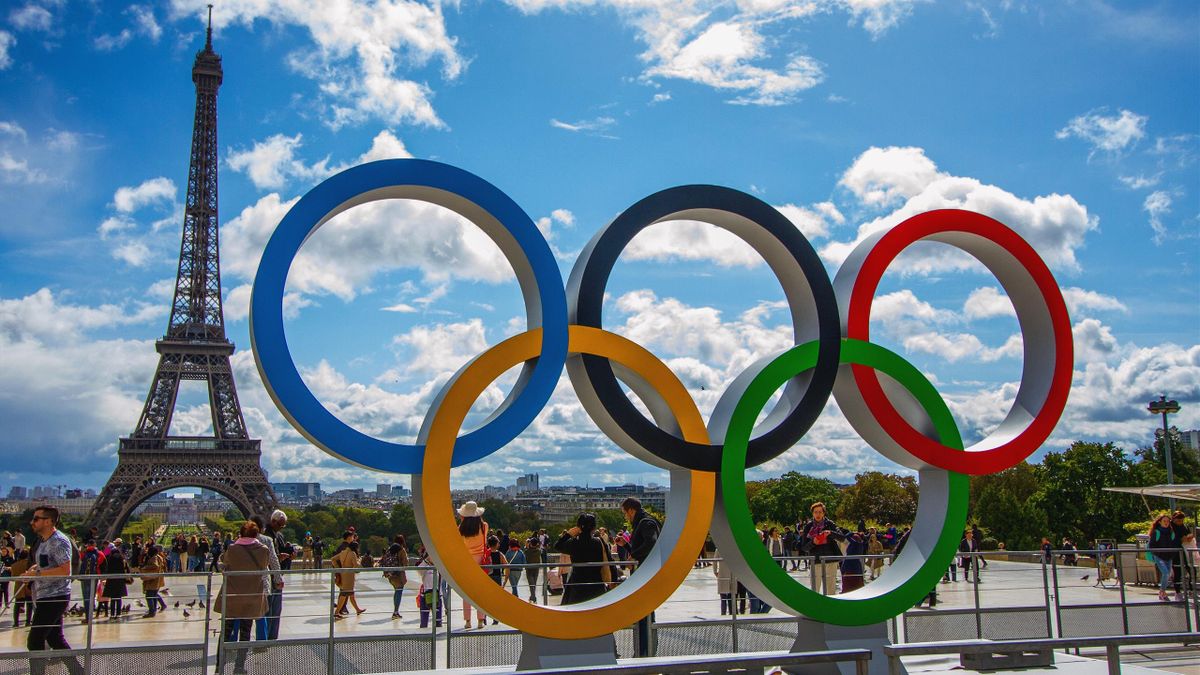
306	607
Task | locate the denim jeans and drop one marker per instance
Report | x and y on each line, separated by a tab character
1164	572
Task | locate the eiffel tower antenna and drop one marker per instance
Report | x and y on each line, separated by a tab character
194	347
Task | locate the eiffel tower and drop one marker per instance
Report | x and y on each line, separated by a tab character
194	348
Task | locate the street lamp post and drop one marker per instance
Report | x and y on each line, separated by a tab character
1164	407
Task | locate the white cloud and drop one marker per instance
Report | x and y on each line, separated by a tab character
7	42
662	97
108	42
955	347
443	348
1055	225
1139	181
63	141
1080	301
12	129
133	252
732	47
272	163
691	240
43	318
17	170
143	18
128	199
361	48
813	221
987	302
598	125
884	176
115	225
1157	205
269	163
1106	133
31	17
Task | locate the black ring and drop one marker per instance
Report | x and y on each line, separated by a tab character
586	290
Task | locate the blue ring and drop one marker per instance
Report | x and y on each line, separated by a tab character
274	359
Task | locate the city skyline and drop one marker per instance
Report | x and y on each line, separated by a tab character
846	116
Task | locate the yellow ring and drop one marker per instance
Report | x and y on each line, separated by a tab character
653	582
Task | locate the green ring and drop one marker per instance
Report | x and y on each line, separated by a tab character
769	579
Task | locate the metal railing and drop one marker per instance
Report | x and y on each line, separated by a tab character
1051	603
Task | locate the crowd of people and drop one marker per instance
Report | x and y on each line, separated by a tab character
581	563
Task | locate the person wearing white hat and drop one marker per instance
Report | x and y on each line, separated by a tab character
474	532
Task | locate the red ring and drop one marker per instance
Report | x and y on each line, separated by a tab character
858	326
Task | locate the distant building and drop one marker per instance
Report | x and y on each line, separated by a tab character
401	492
46	492
298	492
18	492
183	510
1191	438
527	483
383	490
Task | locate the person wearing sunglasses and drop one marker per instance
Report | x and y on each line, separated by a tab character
51	581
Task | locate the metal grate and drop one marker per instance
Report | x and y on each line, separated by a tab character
1015	624
394	653
1089	621
1164	617
765	636
938	625
294	657
693	638
482	649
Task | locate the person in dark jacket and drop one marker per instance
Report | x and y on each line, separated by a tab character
643	534
582	544
818	538
643	529
852	565
116	588
968	546
1178	569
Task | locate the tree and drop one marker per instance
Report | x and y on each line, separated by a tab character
1151	467
1071	493
786	499
882	497
404	521
1000	504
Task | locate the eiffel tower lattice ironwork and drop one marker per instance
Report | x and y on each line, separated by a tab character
194	348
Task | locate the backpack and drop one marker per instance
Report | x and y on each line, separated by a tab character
91	562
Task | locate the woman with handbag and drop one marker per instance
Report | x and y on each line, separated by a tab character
585	581
474	533
396	557
243	597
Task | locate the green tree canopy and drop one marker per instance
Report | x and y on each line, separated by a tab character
882	497
786	499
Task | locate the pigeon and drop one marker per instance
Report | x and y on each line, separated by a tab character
140	603
201	604
1084	577
176	604
75	608
192	604
186	614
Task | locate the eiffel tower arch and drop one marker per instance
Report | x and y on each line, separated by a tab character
193	348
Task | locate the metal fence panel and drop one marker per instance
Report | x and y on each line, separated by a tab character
484	648
1090	620
757	635
693	638
1163	617
1015	623
936	625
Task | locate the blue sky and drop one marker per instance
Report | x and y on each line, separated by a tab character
1077	124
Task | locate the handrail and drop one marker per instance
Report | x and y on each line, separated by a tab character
689	664
1111	643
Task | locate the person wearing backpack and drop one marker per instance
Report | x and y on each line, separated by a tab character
116	587
396	556
91	561
514	556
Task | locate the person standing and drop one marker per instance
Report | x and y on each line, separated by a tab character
643	535
91	562
474	533
1178	568
852	565
818	538
153	566
284	551
243	597
318	551
875	550
514	556
346	559
533	556
50	577
1162	548
396	556
775	547
23	593
969	547
116	587
18	539
586	580
262	627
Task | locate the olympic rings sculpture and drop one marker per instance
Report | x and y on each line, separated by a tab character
888	402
